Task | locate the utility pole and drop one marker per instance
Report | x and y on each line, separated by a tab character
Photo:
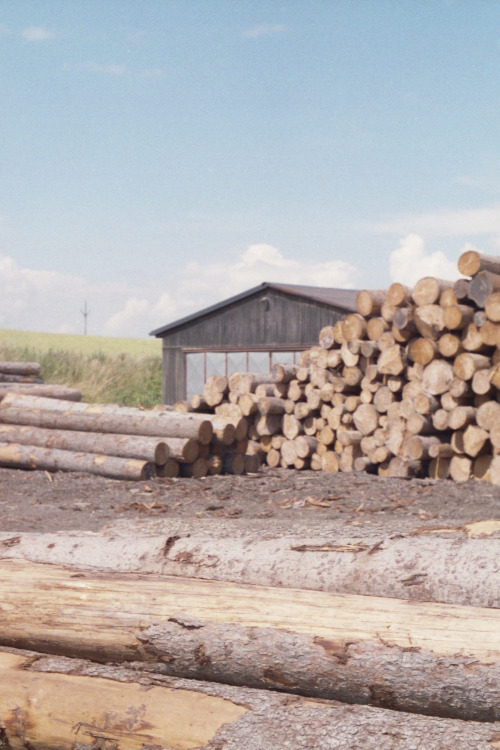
85	312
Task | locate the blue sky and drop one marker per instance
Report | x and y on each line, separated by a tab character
157	156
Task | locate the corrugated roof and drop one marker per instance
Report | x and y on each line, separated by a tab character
345	299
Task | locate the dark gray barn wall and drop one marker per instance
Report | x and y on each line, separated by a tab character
266	320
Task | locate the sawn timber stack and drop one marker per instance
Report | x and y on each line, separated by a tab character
406	386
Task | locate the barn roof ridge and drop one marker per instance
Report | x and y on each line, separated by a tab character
334	297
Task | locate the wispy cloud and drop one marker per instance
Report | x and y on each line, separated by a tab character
37	34
264	29
452	223
51	301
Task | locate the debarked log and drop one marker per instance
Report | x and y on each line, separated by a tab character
418	657
53	459
126	446
176	425
59	704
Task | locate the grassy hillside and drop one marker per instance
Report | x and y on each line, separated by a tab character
107	370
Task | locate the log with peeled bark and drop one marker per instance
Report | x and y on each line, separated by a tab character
369	302
492	307
46	390
70	703
429	320
398	294
168	424
215	388
283	373
52	459
125	446
428	290
472	262
19	368
316	643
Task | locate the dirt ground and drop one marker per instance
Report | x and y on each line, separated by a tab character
274	499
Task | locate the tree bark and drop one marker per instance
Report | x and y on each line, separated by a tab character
339	645
20	368
58	704
48	391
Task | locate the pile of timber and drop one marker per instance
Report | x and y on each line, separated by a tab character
24	377
119	442
132	660
406	386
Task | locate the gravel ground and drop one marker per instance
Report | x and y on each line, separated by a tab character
277	500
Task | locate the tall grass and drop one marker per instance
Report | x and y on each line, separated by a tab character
106	370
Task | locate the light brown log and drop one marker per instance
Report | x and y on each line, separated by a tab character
196	470
19	368
457	441
482	286
492	307
314	399
422	350
467	363
437	376
471	262
338	330
449	345
369	302
353	327
481	381
52	459
330	462
472	341
305	445
391	361
448	401
387	311
441	420
441	450
126	446
461	416
366	419
448	297
382	399
273	458
386	341
175	425
460	468
428	290
419	424
439	468
283	373
245	382
334	359
198	403
288	453
350	358
429	320
416	447
375	327
398	294
402	468
266	389
248	404
457	317
295	391
215	388
271	405
490	333
301	409
268	424
475	440
459	387
291	427
326	436
481	467
169	469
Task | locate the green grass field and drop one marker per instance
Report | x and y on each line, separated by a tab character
107	370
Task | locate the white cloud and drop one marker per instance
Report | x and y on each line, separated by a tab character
468	221
37	34
410	262
44	300
264	29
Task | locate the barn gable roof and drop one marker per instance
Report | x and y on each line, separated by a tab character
343	299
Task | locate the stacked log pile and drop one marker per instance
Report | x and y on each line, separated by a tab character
119	442
406	386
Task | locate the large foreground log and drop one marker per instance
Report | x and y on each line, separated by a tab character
343	647
431	564
63	704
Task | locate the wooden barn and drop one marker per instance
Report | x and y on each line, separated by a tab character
248	332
